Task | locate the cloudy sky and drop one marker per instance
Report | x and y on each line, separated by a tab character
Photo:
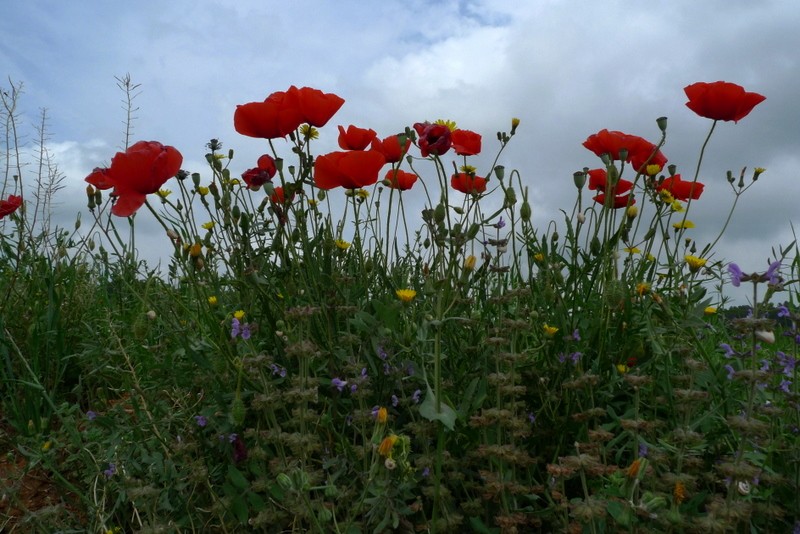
566	68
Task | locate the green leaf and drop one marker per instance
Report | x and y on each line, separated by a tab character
445	414
237	478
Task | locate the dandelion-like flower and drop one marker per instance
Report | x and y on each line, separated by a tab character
406	295
683	225
695	263
386	446
549	331
341	244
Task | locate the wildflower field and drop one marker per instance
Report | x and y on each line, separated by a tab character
453	368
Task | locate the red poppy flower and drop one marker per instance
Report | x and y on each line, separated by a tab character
721	101
680	189
136	173
401	180
261	174
355	138
639	150
433	139
466	143
10	205
392	148
279	197
468	183
284	111
277	116
99	178
618	201
598	181
317	107
351	170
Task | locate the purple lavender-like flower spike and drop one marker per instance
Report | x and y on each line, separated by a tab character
736	274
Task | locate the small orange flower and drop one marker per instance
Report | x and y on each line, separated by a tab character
382	415
385	448
633	469
679	492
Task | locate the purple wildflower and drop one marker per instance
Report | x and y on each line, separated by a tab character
736	274
576	335
277	370
784	386
235	328
426	472
731	371
728	349
575	356
233	437
764	365
111	471
395	401
643	450
382	352
783	311
91	415
415	396
246	331
772	272
338	383
532	417
200	420
374	411
500	224
353	388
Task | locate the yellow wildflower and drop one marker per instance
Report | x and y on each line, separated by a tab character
469	169
309	132
46	446
642	288
710	310
385	448
650	257
632	250
406	295
163	193
209	225
195	250
341	244
677	207
666	197
695	263
622	368
312	202
469	263
202	190
212	300
238	315
362	193
382	415
652	169
538	257
549	331
514	125
451	125
632	212
683	224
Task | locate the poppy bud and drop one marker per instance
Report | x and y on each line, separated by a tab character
672	169
554	237
511	196
499	171
236	212
98	197
439	213
244	223
196	179
662	123
525	211
579	178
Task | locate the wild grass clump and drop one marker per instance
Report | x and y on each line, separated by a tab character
381	339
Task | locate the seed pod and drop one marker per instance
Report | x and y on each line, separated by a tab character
525	211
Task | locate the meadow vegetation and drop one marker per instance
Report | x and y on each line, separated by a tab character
299	367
